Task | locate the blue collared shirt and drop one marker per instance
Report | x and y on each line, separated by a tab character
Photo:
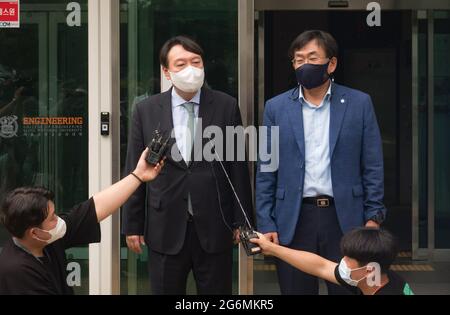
180	119
316	126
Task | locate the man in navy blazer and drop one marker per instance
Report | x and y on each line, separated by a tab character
329	178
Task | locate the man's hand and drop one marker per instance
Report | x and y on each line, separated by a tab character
134	243
372	224
272	237
145	171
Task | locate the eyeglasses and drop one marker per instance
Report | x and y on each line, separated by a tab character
312	60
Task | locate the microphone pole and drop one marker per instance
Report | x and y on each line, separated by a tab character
232	188
246	233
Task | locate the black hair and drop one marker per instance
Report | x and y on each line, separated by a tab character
324	40
187	43
24	208
368	245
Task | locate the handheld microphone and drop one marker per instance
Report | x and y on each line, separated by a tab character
157	148
246	231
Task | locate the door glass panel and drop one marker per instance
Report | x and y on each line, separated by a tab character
441	108
44	74
376	61
145	26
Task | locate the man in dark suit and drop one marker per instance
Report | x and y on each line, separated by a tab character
189	215
330	175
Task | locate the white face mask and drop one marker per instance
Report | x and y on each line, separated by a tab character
345	272
188	80
56	233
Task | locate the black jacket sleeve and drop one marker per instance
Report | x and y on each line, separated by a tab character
82	225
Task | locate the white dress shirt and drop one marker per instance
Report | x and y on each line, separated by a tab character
316	126
180	119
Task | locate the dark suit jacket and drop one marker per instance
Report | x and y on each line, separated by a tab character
158	210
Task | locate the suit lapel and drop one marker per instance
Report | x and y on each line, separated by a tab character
206	110
296	119
338	107
166	120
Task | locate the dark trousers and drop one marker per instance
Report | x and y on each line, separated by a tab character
317	231
212	272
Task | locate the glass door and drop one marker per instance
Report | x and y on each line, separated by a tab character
441	108
409	70
145	26
23	81
44	111
431	96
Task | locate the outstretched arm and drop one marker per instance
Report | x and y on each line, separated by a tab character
110	199
305	261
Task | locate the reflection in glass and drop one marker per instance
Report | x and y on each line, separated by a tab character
43	74
442	128
145	26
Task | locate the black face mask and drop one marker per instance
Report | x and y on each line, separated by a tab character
311	76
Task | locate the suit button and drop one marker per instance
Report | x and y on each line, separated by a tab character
189	171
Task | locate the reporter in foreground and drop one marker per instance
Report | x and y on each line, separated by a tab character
33	261
363	248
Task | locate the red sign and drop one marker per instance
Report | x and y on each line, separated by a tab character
9	14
